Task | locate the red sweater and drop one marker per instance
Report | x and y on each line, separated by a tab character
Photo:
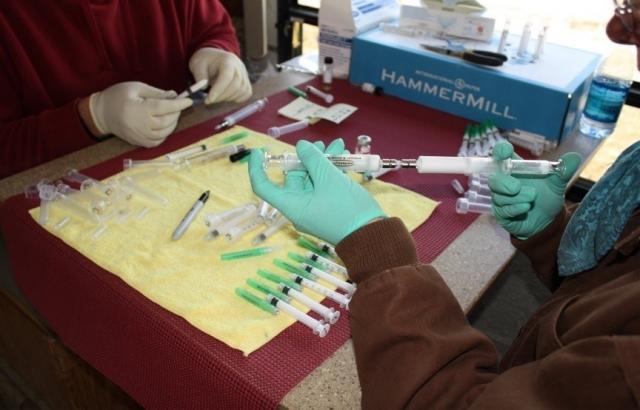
53	53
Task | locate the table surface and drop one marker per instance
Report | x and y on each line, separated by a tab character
469	264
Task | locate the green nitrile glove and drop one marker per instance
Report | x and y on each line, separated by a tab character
525	204
325	202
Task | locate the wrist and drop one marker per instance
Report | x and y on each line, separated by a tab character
84	111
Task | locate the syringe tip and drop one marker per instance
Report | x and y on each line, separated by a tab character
258	239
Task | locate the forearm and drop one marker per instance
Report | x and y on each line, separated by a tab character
413	344
32	140
210	26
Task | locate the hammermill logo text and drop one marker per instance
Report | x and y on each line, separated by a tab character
467	99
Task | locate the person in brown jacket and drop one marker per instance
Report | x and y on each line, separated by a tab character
414	347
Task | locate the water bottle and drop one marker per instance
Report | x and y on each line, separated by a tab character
607	94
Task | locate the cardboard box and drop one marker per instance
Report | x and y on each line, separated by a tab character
545	97
341	20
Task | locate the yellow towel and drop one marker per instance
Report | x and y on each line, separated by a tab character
187	276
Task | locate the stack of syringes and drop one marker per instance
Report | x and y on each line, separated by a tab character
95	202
234	223
303	271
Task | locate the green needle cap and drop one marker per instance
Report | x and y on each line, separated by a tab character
256	301
278	279
234	137
307	244
302	259
290	268
297	92
264	288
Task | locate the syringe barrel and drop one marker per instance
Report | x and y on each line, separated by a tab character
225	216
531	167
329	314
473	165
346	286
214	154
238	231
244	112
326	263
455	165
142	191
318	327
276	132
356	163
341	299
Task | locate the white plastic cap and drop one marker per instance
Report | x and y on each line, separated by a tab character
462	205
333	316
322	329
457	186
274	132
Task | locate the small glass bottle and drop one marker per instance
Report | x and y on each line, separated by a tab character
363	145
608	92
327	73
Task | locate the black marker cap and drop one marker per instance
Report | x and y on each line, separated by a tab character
239	155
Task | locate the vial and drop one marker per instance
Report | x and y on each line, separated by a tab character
363	145
327	73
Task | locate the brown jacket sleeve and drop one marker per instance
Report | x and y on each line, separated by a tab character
415	349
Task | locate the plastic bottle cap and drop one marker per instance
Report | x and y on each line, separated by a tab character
328	60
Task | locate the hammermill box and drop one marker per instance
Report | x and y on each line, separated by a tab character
341	20
544	97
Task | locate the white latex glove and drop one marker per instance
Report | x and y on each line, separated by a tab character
226	73
136	112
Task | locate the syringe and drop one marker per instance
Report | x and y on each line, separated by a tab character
319	328
347	162
329	314
233	118
213	154
472	165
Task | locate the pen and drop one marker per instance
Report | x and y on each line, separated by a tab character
189	217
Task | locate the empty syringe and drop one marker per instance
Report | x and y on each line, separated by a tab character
316	270
347	162
272	229
329	314
215	219
211	155
339	298
319	328
320	247
326	263
233	118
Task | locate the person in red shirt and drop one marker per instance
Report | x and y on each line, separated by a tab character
75	71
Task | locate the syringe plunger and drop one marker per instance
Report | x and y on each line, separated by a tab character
235	117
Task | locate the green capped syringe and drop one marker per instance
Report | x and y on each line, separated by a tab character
256	301
248	253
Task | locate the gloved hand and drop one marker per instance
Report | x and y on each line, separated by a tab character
136	112
325	202
226	73
525	205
